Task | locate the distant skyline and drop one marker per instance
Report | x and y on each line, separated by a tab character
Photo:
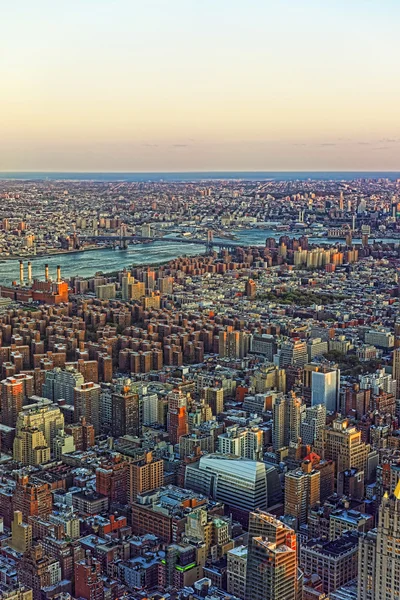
190	85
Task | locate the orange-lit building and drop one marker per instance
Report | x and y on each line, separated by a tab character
32	497
145	475
45	292
112	481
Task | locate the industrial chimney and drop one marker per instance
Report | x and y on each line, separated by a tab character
58	274
21	272
46	272
29	272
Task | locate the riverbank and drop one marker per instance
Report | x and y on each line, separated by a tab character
51	254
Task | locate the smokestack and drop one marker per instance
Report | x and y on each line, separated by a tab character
58	274
29	272
21	272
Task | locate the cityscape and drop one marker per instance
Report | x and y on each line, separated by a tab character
200	301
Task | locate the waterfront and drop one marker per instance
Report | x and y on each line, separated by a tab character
86	264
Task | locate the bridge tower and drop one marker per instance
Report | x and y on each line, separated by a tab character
123	243
210	238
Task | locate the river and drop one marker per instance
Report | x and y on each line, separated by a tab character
85	264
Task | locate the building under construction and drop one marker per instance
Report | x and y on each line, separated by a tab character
45	292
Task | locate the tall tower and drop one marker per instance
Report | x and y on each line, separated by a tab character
125	412
87	403
396	370
144	475
302	491
177	417
271	559
378	557
12	392
280	429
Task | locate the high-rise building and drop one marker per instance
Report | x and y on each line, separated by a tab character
314	420
279	429
316	347
236	571
177	417
269	377
14	390
251	288
288	413
379	553
264	344
82	433
60	384
334	561
88	581
165	285
242	441
341	442
302	491
125	411
87	404
234	344
238	482
214	397
112	480
150	404
21	533
295	416
293	352
30	447
271	560
36	429
325	385
144	475
127	279
194	442
32	497
36	570
396	370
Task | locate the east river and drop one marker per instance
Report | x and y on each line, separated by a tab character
86	264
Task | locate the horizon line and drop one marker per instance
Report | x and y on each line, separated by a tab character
211	171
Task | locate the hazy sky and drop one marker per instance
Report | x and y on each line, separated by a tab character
171	85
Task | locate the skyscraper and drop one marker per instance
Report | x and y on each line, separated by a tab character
177	417
251	288
13	392
87	404
314	420
279	430
379	553
214	397
302	491
30	447
396	371
60	384
32	497
271	559
125	411
341	442
325	388
293	352
144	475
288	413
48	419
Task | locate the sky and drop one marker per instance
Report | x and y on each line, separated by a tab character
192	85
